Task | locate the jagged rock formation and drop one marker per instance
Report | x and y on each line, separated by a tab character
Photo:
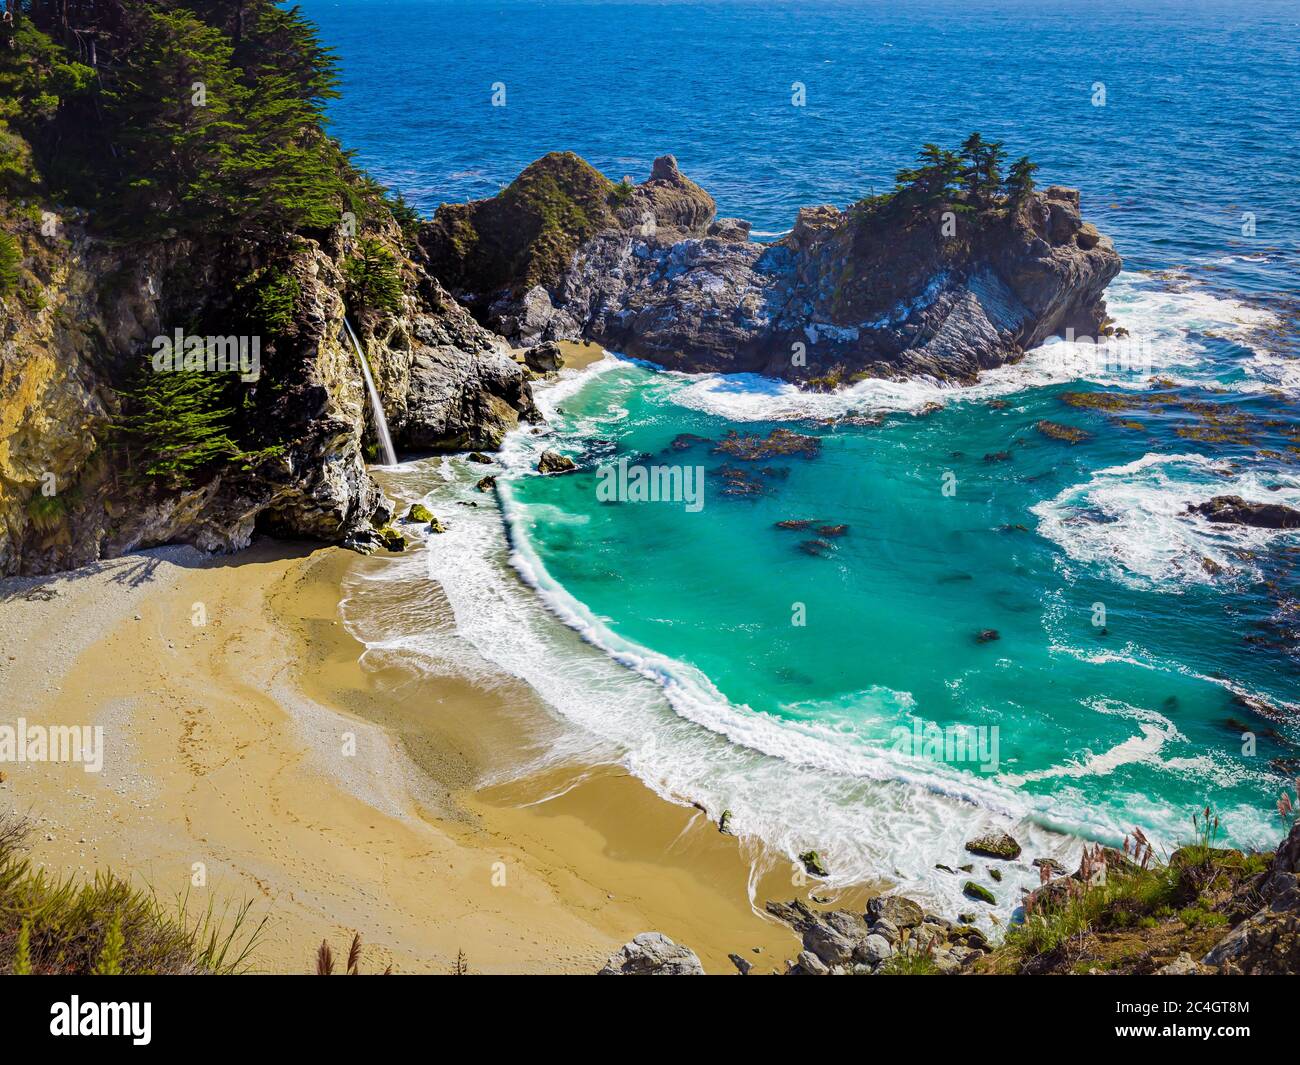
647	270
1268	942
90	313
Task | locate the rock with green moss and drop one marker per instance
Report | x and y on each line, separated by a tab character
436	526
978	892
419	512
813	863
724	823
995	845
392	539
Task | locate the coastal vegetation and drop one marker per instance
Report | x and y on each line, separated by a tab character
151	124
62	926
968	180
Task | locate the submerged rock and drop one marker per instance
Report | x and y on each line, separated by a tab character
1057	431
486	484
652	954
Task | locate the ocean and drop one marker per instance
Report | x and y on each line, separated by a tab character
1143	662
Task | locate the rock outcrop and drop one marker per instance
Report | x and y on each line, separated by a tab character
1233	510
652	954
84	328
895	933
647	270
1268	942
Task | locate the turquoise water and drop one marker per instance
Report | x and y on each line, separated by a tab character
693	667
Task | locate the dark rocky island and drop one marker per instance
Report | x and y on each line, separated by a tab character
936	278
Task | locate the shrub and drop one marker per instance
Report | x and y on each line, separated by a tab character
373	281
50	925
10	258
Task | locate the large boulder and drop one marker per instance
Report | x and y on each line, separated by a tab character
652	954
995	845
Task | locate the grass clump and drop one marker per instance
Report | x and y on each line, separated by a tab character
52	925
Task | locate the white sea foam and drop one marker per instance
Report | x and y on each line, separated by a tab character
1133	520
1161	324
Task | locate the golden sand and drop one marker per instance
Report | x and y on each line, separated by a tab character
252	751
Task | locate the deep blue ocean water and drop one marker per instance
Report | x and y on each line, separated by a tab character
719	697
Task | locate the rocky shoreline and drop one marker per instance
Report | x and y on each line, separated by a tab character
1257	897
562	254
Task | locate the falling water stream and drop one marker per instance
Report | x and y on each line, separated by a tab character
376	407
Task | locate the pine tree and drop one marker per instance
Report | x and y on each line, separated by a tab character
177	423
176	113
1019	182
933	181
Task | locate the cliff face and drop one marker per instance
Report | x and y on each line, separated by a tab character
85	321
867	292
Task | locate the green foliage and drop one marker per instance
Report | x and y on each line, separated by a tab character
178	423
110	958
197	119
968	180
51	925
909	963
275	301
11	257
407	218
46	513
23	951
1019	182
373	281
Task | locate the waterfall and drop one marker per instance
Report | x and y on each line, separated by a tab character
376	407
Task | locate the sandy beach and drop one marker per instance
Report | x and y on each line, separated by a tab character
250	753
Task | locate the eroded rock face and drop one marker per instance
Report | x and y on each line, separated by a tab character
843	295
1268	942
652	954
446	382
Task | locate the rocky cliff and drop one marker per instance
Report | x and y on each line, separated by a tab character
83	322
877	290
